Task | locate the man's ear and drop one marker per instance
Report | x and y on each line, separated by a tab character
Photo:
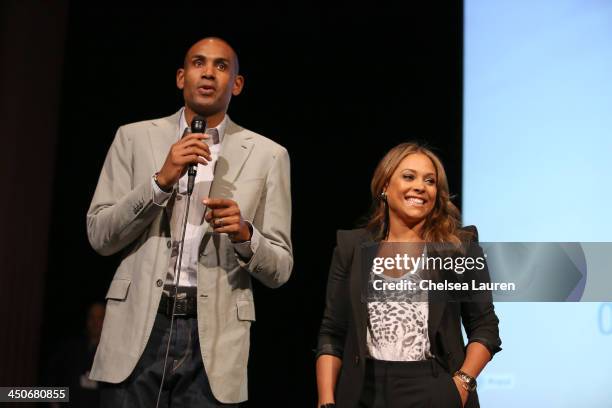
238	85
180	78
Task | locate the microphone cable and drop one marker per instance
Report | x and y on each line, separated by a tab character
177	274
198	125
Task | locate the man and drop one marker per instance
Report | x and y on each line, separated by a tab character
238	226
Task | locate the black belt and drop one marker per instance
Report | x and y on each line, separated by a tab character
403	369
186	302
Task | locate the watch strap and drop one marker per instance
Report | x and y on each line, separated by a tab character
467	381
160	187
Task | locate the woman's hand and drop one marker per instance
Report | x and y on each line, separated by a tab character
476	358
462	391
328	368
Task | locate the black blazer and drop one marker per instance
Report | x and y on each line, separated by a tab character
344	324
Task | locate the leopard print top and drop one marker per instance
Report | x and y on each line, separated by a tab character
397	330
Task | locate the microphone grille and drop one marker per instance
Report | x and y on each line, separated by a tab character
198	124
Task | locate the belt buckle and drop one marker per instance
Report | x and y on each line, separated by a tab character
178	305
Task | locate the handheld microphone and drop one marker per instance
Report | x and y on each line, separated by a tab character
198	125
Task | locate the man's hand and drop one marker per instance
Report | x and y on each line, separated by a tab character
189	150
462	391
224	215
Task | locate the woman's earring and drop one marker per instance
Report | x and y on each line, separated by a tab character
383	196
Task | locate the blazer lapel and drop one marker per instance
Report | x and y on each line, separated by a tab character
360	305
162	135
235	149
437	306
436	310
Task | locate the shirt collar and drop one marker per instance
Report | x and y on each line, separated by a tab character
220	127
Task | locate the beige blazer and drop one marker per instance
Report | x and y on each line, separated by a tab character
253	171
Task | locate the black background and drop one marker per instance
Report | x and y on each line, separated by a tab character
336	85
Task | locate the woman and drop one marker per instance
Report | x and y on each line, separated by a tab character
424	362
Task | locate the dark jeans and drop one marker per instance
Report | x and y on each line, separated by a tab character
186	383
412	384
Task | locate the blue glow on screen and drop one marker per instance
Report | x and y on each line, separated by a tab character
538	167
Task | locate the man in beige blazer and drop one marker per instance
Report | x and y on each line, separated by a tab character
241	228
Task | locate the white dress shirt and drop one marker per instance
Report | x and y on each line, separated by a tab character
196	224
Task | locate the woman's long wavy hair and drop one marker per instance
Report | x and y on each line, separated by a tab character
442	223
